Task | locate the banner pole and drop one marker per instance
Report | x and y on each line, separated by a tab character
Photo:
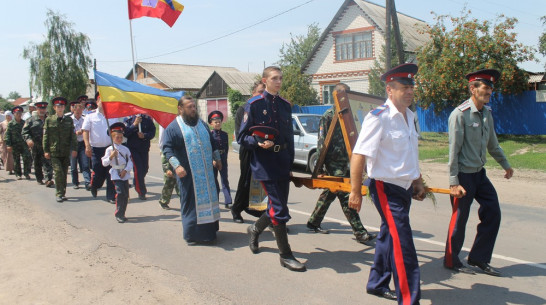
132	49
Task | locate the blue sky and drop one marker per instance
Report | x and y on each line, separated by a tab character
106	23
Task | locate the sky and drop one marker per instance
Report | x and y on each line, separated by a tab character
243	34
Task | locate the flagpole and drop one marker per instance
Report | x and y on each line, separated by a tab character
132	49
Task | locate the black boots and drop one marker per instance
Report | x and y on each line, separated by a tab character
287	259
254	231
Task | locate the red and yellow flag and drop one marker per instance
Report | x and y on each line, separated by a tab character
166	10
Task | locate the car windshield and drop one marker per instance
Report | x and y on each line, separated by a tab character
310	123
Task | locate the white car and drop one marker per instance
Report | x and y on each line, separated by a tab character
306	128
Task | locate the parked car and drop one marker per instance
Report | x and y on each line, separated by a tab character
306	128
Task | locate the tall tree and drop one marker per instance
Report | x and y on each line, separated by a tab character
59	65
296	85
542	40
470	45
376	86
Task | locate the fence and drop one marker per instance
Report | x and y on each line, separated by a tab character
513	114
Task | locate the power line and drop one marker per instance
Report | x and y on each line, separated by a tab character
219	37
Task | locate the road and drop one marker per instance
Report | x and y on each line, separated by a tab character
338	267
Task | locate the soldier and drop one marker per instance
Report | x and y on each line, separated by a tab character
16	144
140	129
59	141
33	133
336	164
471	135
267	131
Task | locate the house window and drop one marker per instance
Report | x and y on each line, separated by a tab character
354	46
328	94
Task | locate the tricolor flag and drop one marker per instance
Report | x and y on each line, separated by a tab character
121	97
166	10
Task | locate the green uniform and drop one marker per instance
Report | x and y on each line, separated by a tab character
14	139
466	127
59	141
336	164
34	130
170	183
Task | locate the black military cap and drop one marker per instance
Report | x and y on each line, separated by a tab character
403	73
16	109
59	100
41	104
91	105
264	133
75	102
486	76
81	98
116	127
216	115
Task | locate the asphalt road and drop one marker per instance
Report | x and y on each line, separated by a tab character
338	267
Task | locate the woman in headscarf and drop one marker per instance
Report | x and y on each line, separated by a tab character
7	157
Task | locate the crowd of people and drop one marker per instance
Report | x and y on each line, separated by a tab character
193	156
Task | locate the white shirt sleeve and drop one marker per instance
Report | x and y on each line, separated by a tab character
370	135
106	158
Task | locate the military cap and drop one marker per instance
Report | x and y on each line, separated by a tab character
116	127
16	109
403	73
263	133
59	100
216	115
75	102
32	104
81	98
486	76
91	105
41	104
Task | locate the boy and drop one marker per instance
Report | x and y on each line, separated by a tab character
221	137
119	157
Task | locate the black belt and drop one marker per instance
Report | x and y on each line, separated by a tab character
277	147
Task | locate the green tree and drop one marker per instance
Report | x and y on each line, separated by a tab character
4	104
297	86
542	40
470	45
235	99
376	86
13	95
59	65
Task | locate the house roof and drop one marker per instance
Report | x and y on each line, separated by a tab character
376	15
536	78
178	76
240	81
20	101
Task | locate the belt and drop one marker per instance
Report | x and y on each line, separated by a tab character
277	147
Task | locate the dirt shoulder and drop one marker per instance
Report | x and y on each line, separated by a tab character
45	260
524	188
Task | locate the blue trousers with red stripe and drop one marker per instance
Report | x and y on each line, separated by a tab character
478	187
394	249
140	160
277	205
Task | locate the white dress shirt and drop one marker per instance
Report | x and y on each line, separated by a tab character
97	126
123	162
78	123
390	145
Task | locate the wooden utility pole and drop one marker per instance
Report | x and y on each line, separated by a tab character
388	35
399	46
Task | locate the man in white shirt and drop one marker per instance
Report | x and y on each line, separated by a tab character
387	145
81	159
95	136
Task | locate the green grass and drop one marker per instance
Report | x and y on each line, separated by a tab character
523	152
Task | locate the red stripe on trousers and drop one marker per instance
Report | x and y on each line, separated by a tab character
137	184
271	211
398	255
452	223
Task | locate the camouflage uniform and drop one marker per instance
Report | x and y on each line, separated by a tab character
336	164
34	130
14	139
59	141
170	183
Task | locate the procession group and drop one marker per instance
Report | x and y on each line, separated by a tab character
193	156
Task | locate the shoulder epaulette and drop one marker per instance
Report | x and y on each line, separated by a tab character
464	106
377	111
255	98
285	100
